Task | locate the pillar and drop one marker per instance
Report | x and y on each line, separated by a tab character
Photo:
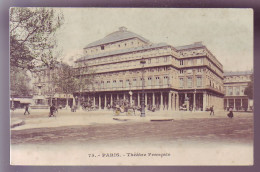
117	97
234	105
111	100
145	98
99	102
170	101
161	104
204	101
153	99
105	103
131	99
173	101
177	102
241	104
194	101
138	99
94	101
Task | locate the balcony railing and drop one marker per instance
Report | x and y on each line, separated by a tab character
128	88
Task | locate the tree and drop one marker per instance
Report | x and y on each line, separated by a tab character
249	90
32	36
69	80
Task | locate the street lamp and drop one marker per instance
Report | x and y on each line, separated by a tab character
142	99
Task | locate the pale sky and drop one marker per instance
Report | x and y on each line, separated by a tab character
227	33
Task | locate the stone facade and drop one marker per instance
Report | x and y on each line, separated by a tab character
171	74
234	86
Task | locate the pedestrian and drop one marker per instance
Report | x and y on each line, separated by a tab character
27	110
212	110
230	114
52	109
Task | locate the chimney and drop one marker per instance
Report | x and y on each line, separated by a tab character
122	29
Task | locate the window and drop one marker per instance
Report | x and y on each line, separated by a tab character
230	90
165	80
127	83
199	81
199	70
114	84
102	84
134	83
121	83
165	59
181	83
181	62
199	61
157	59
102	47
237	91
149	81
149	61
189	82
181	71
157	80
108	84
189	62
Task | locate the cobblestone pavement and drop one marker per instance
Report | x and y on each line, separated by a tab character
236	130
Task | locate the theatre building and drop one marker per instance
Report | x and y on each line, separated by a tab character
172	75
234	85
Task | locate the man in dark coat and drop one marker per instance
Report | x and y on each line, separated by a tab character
27	110
52	109
212	110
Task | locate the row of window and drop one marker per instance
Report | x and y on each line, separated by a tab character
150	81
191	62
235	91
190	82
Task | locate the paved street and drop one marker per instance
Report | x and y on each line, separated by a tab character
41	139
217	128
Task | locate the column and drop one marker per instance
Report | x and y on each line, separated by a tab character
194	101
145	98
153	99
241	104
111	100
170	101
131	99
105	103
99	102
177	101
138	99
204	101
117	97
234	105
94	101
161	104
248	105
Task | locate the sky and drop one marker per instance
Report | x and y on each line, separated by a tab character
227	33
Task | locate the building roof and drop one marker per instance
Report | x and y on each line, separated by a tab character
121	51
121	34
232	73
194	45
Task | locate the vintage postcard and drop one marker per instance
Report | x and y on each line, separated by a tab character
131	86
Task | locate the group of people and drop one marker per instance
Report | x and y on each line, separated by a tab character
230	114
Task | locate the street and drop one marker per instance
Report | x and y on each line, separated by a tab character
206	132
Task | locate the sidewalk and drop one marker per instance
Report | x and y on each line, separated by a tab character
40	119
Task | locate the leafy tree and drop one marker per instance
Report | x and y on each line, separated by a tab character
249	90
69	80
32	36
19	84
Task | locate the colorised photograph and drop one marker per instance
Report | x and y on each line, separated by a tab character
131	86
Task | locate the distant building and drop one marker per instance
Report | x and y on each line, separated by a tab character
234	85
171	74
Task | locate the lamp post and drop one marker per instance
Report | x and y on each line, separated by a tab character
142	99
